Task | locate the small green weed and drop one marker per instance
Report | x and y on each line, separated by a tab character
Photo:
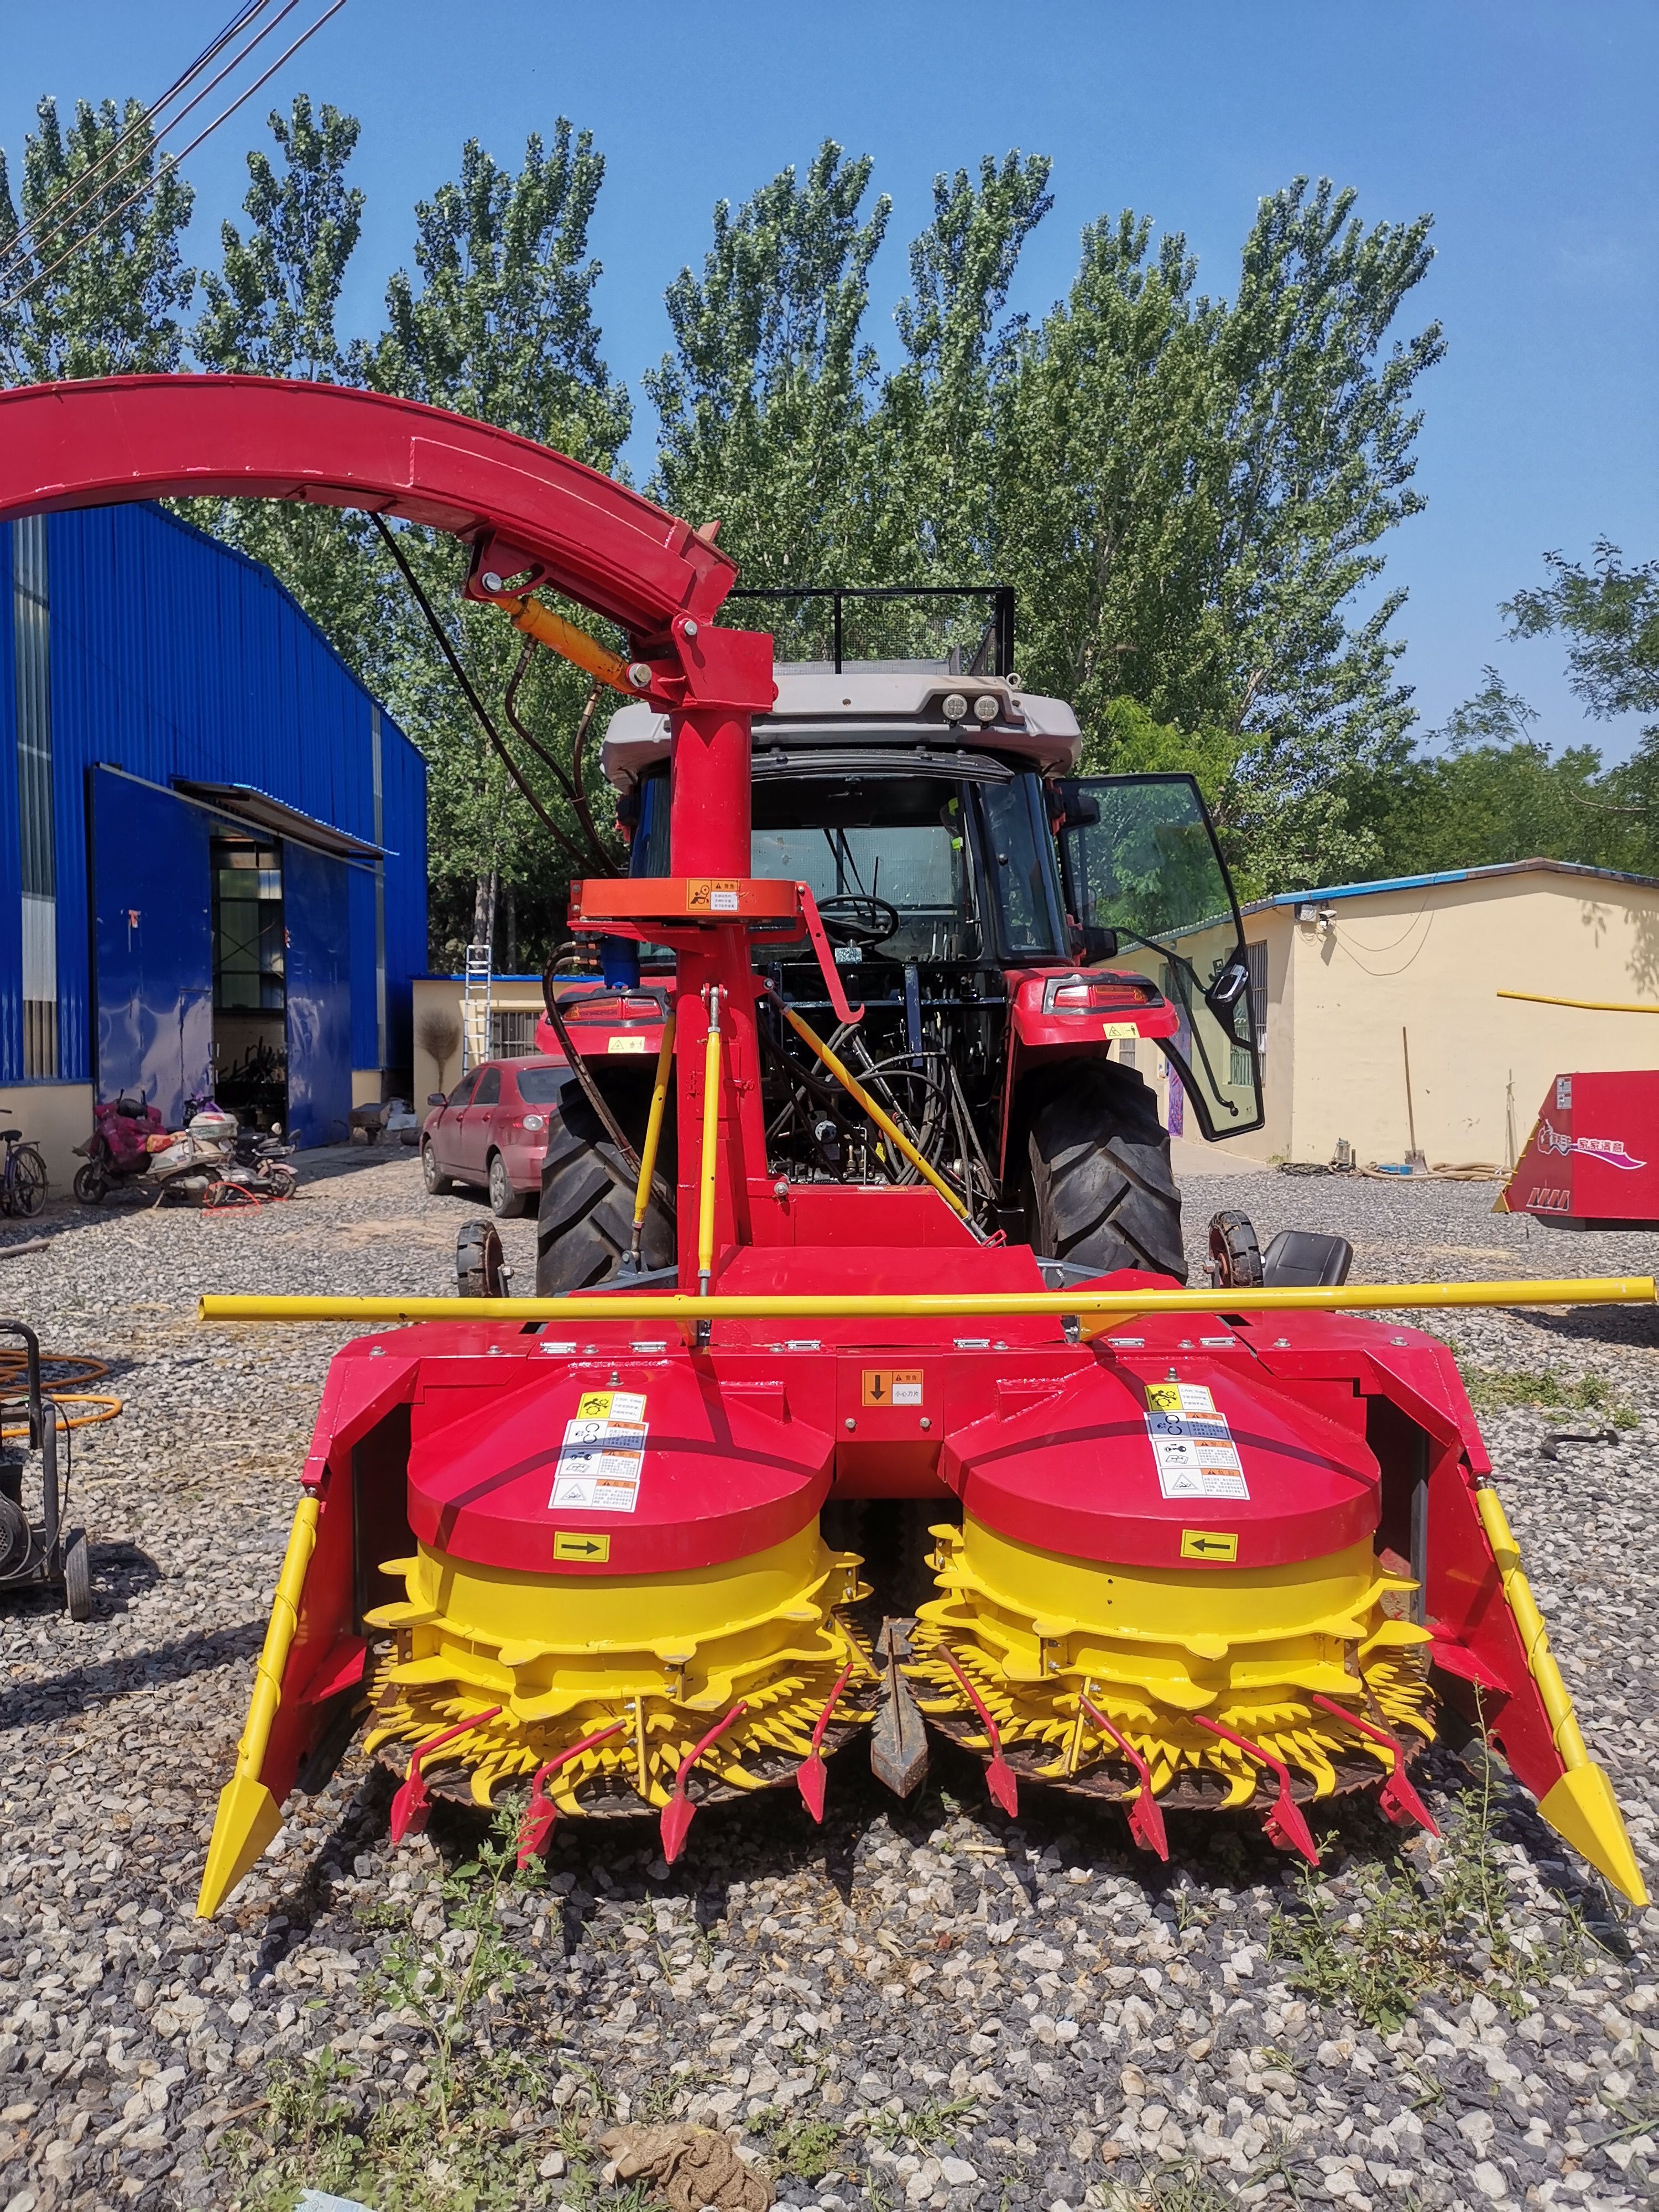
1412	1933
463	2144
1182	2188
1496	1390
931	2123
807	2149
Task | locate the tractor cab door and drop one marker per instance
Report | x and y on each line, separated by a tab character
1145	879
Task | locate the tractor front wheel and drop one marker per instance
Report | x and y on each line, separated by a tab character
1103	1192
586	1224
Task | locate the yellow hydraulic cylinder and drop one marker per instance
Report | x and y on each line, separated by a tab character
884	1121
570	643
248	1815
654	1133
1581	1806
946	1305
711	1130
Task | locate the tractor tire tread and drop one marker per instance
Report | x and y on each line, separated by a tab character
1104	1193
585	1224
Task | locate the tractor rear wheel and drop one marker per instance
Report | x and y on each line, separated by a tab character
586	1224
1103	1193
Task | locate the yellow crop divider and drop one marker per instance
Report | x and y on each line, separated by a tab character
248	1815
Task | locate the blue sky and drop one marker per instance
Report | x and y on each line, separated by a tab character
1527	129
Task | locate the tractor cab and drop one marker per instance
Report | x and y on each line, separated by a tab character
1019	942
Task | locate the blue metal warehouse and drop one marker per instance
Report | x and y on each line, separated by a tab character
212	839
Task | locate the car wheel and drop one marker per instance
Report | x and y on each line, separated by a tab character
504	1201
431	1175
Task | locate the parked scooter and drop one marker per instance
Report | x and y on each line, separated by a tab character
259	1164
118	1149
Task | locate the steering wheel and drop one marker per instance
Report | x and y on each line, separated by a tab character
850	918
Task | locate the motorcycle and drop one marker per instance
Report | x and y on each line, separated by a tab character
119	1150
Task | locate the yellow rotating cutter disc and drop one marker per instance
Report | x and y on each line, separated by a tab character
618	1565
1166	1589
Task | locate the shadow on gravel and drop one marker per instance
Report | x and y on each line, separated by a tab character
103	1681
1636	1326
328	1162
361	1823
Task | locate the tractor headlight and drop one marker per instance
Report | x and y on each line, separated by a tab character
954	706
987	706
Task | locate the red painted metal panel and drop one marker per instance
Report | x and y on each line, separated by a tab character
1593	1155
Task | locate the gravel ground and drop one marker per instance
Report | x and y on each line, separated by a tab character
919	2005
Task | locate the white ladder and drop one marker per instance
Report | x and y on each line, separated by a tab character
474	1006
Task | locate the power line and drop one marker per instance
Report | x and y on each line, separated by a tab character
147	121
170	165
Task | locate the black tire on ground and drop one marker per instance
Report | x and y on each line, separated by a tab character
90	1184
77	1577
1103	1194
1235	1254
505	1202
478	1260
436	1183
586	1223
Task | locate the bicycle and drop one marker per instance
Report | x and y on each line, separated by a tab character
23	1178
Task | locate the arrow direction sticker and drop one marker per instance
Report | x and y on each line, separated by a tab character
577	1544
1215	1544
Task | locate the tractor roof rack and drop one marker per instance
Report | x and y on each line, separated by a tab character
991	654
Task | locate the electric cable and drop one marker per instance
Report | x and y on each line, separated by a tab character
147	120
64	1393
84	184
171	163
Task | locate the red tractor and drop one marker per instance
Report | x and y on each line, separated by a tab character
967	884
914	1259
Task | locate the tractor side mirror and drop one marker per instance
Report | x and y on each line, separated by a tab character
1079	809
1094	943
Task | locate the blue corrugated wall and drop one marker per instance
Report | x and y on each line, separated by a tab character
172	657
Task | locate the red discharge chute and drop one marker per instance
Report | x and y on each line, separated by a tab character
114	438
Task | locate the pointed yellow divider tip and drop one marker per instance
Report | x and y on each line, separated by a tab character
1582	1808
248	1817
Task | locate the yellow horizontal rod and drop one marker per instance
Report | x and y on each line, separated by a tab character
889	1127
1584	1006
676	1306
570	643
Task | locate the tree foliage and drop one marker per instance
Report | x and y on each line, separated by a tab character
1191	489
76	304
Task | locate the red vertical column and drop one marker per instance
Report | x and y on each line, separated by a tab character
708	823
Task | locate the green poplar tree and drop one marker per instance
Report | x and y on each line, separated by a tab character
92	278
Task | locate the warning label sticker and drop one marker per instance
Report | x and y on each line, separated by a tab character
892	1386
703	896
603	1455
1192	1445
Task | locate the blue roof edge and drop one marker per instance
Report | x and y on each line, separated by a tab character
1449	876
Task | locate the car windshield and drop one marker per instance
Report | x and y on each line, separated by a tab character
540	1086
